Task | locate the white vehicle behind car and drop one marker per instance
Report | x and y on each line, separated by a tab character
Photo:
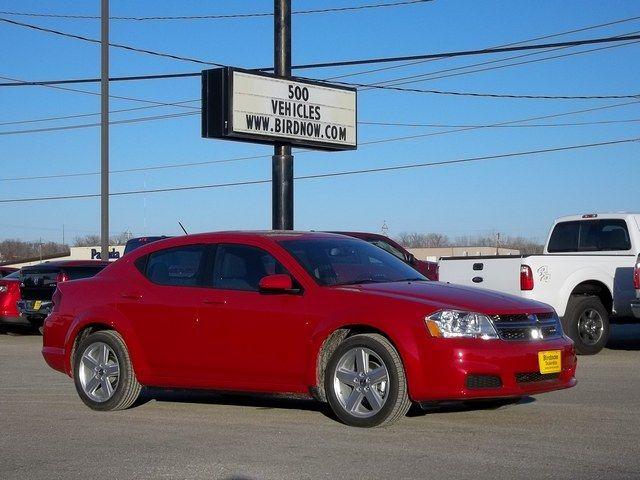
586	273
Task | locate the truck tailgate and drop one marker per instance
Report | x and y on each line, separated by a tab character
493	273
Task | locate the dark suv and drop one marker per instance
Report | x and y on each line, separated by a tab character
38	282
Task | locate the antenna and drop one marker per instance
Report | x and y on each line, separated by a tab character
182	227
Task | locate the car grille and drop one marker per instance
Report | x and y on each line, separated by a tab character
483	381
536	377
527	327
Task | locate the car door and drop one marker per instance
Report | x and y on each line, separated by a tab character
162	308
251	340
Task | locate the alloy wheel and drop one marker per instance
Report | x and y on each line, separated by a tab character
361	382
99	372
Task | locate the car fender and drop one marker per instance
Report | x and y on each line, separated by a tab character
111	318
576	278
402	336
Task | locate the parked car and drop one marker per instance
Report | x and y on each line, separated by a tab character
428	269
9	297
585	273
138	242
4	271
635	304
305	313
39	282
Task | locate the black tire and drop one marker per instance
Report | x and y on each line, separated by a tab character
578	306
396	403
127	389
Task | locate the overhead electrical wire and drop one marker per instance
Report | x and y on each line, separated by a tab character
218	16
327	175
534	39
371	142
430	76
344	63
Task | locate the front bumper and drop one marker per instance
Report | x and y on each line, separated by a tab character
448	365
635	308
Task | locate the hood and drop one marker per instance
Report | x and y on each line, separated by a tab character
443	295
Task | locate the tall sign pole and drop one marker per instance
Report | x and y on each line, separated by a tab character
104	131
282	160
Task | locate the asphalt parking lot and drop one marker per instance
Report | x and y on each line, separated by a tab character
590	431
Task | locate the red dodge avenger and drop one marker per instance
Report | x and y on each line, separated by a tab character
311	313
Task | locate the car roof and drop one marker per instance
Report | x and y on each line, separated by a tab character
596	216
362	235
70	263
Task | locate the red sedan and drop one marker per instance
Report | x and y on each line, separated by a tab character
306	313
9	297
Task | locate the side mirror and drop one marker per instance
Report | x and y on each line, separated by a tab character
279	283
411	259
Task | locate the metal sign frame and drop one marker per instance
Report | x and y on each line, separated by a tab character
217	111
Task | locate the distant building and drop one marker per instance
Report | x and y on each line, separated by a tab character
433	254
75	253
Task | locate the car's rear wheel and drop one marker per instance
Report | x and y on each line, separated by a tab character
365	382
586	321
103	373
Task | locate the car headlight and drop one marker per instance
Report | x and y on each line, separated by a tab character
460	324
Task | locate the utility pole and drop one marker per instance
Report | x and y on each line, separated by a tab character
104	130
282	160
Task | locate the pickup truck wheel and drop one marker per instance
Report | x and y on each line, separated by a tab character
103	373
365	382
586	321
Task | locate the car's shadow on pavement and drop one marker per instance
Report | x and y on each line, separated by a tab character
624	336
259	401
18	330
466	406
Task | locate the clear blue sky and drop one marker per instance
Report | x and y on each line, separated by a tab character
516	196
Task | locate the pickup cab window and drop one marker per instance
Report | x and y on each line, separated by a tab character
590	236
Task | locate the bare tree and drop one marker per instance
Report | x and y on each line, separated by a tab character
15	249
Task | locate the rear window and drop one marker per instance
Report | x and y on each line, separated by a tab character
590	236
76	273
136	243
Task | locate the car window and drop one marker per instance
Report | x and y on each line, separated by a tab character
590	236
241	267
76	273
324	259
178	266
15	275
389	248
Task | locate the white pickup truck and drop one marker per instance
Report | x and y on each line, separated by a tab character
586	273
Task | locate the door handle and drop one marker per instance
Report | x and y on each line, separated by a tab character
214	302
131	295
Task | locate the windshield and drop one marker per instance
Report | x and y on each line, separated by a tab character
337	261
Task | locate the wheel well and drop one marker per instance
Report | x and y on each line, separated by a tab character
329	346
595	288
82	334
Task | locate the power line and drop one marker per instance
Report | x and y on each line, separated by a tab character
115	45
534	39
464	53
185	114
371	142
327	175
421	77
81	115
530	125
118	97
219	16
460	53
492	95
88	125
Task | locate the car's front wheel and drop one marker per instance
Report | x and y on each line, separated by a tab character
103	373
365	382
